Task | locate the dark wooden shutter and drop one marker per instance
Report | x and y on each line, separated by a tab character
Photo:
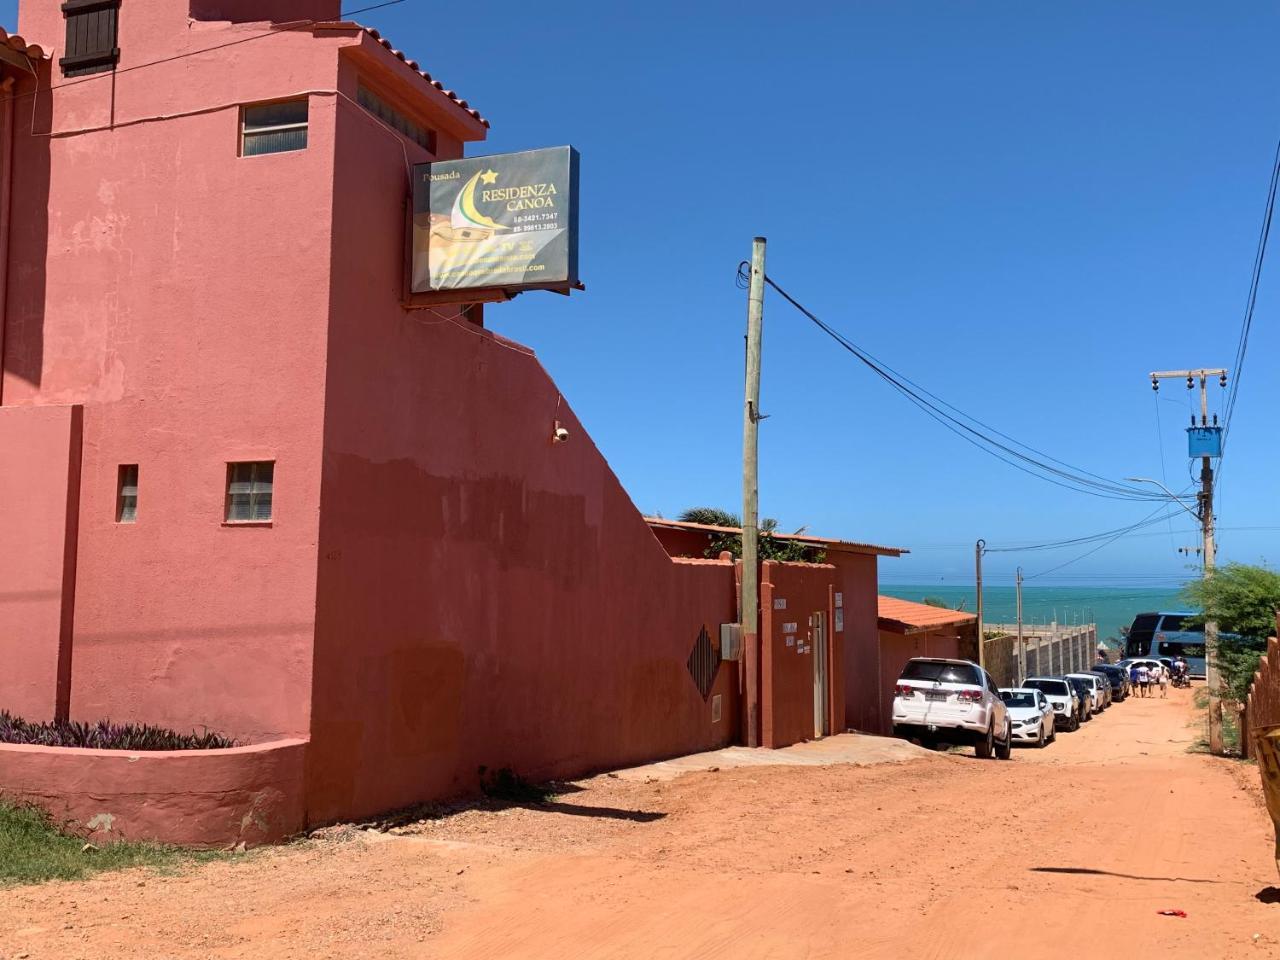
91	36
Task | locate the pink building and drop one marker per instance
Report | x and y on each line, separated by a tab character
243	487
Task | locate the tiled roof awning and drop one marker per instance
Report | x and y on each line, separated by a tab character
15	51
821	543
904	616
411	64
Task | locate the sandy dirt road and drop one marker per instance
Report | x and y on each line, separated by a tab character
1064	852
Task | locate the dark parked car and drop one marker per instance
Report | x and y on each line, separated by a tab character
1119	679
1086	697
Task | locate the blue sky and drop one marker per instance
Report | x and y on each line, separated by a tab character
1023	207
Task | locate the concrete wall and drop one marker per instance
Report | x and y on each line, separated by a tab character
485	596
205	798
40	486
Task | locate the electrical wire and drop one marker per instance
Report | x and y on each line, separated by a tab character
1255	278
275	31
1246	325
1164	478
1108	535
1041	465
1089	553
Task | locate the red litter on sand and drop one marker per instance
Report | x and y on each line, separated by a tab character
1172	913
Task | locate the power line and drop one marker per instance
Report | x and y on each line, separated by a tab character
1071	478
1089	553
276	31
1255	279
1090	538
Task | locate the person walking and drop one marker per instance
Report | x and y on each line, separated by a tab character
1164	681
1144	678
1133	678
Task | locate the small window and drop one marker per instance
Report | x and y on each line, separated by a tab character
273	128
127	493
249	492
91	37
423	136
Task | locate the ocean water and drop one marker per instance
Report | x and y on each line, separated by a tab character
1110	607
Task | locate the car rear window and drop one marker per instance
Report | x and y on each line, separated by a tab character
1018	699
1058	687
1178	624
932	670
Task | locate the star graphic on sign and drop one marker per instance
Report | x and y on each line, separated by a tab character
489	176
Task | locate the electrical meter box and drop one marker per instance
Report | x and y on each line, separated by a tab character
730	641
1204	441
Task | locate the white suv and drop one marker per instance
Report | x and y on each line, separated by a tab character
951	701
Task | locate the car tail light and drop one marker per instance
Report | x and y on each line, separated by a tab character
971	696
904	690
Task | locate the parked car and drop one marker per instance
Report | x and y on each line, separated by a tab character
1062	696
1031	716
1108	694
1119	680
951	701
1093	684
1085	692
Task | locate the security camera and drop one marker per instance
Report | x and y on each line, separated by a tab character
561	435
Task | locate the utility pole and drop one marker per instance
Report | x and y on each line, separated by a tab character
1022	643
749	615
978	549
1205	441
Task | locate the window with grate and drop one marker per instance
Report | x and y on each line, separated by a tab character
249	491
91	37
273	128
393	118
127	493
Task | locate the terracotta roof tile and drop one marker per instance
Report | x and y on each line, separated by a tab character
19	45
904	616
411	64
843	546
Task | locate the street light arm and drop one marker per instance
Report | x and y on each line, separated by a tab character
1172	496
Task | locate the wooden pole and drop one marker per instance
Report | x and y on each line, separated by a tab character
750	612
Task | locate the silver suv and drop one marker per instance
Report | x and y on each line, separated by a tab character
951	701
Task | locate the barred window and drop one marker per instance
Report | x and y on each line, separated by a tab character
127	493
273	128
249	491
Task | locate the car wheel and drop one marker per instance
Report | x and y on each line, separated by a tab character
1042	741
985	747
1005	750
1075	721
1054	736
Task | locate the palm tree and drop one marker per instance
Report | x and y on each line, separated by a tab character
710	516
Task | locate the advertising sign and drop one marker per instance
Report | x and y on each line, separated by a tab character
508	221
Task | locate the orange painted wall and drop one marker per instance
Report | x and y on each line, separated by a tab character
861	648
895	650
787	670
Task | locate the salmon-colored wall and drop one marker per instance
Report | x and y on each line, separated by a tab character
39	483
486	596
787	710
861	664
204	798
895	650
682	543
180	292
